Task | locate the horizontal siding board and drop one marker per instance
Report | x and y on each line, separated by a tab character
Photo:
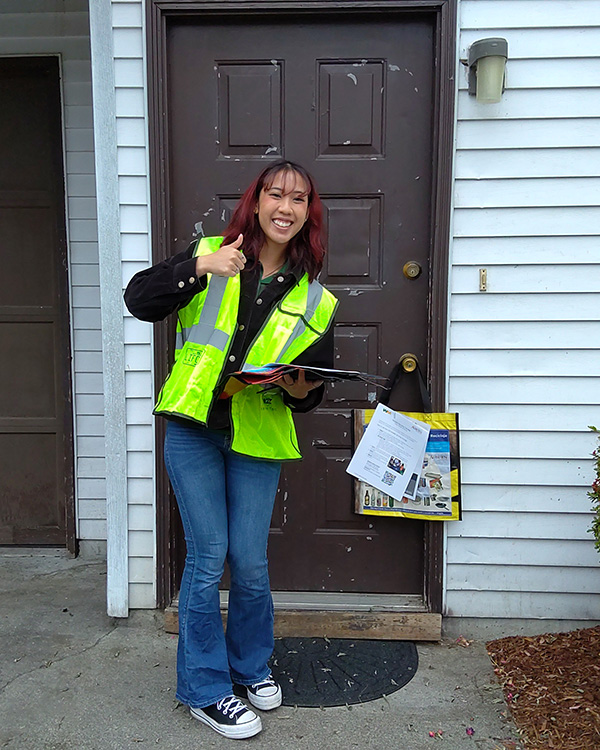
138	385
92	509
519	14
141	596
79	139
139	410
511	389
93	468
495	306
497	525
538	43
522	499
136	247
88	361
535	250
90	447
131	131
137	331
92	529
91	488
89	403
523	362
131	161
129	72
84	186
77	48
77	93
140	438
88	425
525	578
567	334
140	517
549	553
58	25
87	341
508	193
82	208
78	116
517	104
127	14
86	318
141	569
527	417
526	222
139	489
134	219
141	543
527	163
80	162
130	102
138	357
527	133
128	43
494	444
86	274
89	382
140	463
578	278
524	472
540	605
133	191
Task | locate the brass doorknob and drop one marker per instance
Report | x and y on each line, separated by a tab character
412	270
409	362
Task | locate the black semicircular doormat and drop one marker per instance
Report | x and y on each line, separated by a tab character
336	671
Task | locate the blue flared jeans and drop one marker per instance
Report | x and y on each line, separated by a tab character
226	502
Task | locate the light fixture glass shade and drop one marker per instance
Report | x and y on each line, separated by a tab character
490	78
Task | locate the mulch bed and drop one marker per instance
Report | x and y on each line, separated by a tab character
552	684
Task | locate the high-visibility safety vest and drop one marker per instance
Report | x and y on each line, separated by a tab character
262	425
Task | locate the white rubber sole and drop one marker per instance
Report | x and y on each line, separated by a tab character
237	732
267	703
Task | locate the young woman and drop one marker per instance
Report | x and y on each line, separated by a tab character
250	297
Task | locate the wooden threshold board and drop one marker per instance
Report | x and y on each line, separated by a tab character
389	626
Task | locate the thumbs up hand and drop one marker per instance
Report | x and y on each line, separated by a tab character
228	260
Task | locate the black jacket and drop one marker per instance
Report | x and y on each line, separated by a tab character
156	292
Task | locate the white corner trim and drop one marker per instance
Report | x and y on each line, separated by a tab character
111	304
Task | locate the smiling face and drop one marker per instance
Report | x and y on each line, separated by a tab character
282	208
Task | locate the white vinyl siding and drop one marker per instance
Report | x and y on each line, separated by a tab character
524	356
132	156
41	28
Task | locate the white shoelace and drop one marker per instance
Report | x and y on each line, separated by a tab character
267	682
231	705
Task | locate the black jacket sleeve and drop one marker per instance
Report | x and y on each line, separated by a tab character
156	292
320	354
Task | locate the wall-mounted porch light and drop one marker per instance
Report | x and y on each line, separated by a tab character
487	65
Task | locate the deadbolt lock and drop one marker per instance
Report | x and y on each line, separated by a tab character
409	362
412	270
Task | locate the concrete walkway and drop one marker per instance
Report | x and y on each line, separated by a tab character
72	678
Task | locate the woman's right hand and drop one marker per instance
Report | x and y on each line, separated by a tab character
228	260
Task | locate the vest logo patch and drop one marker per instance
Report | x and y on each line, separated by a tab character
192	356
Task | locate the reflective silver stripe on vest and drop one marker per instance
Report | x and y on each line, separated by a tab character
313	300
204	332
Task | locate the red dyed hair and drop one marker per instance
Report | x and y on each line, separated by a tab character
306	250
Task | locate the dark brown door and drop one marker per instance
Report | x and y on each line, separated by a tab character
352	99
36	474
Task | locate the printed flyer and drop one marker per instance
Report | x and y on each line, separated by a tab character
437	495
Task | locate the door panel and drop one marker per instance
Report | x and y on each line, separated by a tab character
36	465
352	99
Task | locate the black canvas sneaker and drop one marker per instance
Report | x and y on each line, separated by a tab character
229	717
264	695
